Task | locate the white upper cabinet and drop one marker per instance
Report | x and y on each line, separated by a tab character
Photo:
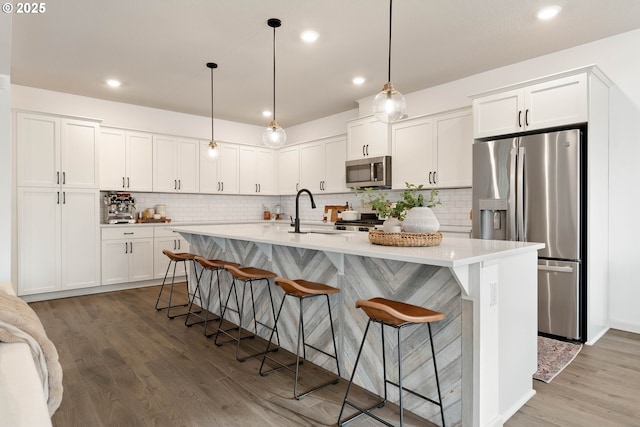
126	160
557	102
257	169
288	170
219	175
55	151
434	151
175	164
368	137
322	165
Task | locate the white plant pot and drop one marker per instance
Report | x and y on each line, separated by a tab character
392	225
420	220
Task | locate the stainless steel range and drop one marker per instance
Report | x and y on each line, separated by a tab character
365	223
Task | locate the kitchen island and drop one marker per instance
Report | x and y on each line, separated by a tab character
486	346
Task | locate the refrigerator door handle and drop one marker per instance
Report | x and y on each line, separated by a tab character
555	269
511	211
522	220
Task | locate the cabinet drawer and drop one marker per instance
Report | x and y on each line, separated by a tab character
130	232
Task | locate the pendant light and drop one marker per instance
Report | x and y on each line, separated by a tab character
274	136
389	105
213	151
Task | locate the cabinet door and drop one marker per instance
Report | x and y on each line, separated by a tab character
80	253
79	153
139	161
188	165
556	103
266	171
368	137
38	240
335	156
498	114
228	168
413	153
289	170
161	262
312	166
112	159
115	261
38	147
140	259
165	177
247	170
454	136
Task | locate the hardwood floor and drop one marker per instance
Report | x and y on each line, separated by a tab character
127	365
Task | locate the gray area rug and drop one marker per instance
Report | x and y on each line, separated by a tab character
553	357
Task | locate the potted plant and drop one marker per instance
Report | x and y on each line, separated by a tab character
394	213
417	217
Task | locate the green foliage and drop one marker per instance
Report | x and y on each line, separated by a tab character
409	198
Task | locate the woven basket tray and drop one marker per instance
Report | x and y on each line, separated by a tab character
379	237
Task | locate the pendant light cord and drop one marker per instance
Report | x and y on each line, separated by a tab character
274	73
390	12
211	103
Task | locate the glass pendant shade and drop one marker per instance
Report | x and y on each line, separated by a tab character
213	152
274	136
389	105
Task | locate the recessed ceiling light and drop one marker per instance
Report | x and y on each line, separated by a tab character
267	113
358	80
548	12
113	83
309	36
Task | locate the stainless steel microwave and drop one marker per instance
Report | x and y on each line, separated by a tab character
369	172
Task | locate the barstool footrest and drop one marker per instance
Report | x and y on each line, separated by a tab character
362	411
414	393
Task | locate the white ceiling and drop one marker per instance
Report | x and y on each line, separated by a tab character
159	48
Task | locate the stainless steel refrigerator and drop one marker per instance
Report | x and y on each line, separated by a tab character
530	188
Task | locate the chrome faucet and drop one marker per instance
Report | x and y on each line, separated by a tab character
313	205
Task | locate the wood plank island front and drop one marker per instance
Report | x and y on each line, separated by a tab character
486	346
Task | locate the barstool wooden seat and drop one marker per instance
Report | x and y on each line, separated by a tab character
213	266
303	289
174	259
249	276
397	315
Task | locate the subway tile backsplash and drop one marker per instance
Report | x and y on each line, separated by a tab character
455	208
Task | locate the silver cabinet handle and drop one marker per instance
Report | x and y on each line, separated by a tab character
363	153
526	117
179	184
129	233
556	269
430	181
128	183
64	197
58	201
64	177
175	184
435	177
520	118
130	247
222	185
58	177
218	185
123	186
179	245
126	247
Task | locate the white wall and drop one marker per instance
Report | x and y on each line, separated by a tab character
6	193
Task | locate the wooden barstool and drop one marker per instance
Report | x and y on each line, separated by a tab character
248	276
303	289
174	259
396	315
213	266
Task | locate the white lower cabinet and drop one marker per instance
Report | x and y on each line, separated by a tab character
172	241
127	254
58	239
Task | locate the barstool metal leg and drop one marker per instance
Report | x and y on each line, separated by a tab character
435	367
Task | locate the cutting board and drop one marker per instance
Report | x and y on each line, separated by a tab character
334	211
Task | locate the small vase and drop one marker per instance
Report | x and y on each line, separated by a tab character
420	220
392	225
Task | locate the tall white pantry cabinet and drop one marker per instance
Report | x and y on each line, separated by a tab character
58	239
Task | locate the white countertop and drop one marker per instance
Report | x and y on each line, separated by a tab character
452	252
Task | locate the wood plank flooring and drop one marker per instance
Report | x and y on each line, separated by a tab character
127	365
